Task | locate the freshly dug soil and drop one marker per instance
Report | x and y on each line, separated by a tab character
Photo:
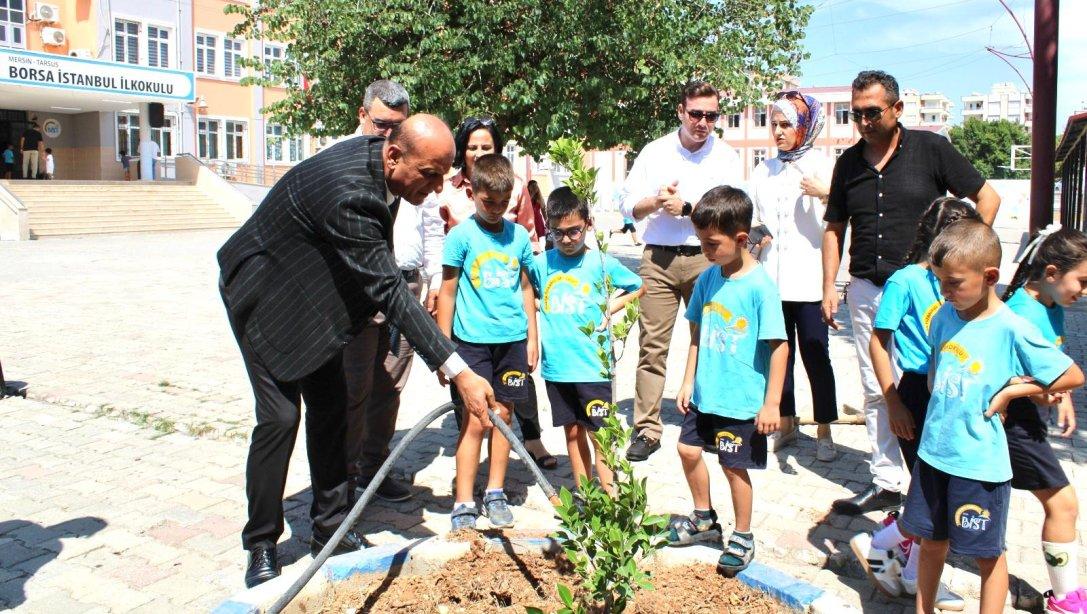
488	581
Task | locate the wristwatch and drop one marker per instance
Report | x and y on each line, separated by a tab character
686	209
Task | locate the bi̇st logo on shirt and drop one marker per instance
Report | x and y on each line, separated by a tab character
493	269
972	517
565	294
953	380
597	409
513	379
728	442
724	338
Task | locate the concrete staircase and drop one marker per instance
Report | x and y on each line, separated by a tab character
56	208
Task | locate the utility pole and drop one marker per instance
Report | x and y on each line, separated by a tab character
1044	130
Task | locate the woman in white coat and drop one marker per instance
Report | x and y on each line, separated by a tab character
790	192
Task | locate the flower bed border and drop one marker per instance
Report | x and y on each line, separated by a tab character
428	553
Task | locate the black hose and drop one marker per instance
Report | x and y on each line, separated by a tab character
356	511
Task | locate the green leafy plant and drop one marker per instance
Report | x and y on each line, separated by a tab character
605	535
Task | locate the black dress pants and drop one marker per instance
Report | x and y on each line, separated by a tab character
805	328
278	414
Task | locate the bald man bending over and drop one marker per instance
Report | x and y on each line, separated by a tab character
299	279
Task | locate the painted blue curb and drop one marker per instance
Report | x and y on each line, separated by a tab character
794	593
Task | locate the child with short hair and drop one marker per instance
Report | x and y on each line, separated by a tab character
487	307
569	281
981	350
910	299
738	337
9	160
50	166
1052	275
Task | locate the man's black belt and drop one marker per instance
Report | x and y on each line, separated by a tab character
682	250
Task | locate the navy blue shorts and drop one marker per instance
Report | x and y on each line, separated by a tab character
737	443
504	365
1034	464
970	514
584	403
913	390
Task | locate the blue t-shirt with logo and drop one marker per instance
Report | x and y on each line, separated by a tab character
571	290
490	307
972	362
910	298
9	156
1049	320
735	318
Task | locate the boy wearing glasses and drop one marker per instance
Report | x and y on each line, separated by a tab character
569	281
486	306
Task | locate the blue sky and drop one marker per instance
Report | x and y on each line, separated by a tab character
939	46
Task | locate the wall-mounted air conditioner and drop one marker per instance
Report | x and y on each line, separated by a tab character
54	36
49	13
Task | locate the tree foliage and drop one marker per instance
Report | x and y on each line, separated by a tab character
607	71
988	146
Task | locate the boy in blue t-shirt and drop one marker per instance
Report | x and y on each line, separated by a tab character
9	160
959	493
738	341
569	281
486	306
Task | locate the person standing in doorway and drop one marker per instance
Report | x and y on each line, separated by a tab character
28	145
669	174
9	160
149	154
50	165
881	186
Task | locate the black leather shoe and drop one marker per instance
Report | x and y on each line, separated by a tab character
870	499
263	566
642	448
390	489
351	542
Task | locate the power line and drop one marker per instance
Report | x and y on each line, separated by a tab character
929	42
893	14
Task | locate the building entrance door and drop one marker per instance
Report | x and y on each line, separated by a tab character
12	126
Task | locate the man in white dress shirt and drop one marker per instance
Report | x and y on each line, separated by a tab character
669	176
377	362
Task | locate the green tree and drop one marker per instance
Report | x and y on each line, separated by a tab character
607	71
988	146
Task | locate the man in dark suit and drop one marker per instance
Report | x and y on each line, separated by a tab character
299	279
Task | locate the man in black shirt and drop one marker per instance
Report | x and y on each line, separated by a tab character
880	187
28	145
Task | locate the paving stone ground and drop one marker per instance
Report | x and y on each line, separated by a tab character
121	478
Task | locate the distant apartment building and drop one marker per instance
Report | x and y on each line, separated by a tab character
1004	101
932	110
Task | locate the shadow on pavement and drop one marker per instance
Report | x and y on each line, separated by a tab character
26	547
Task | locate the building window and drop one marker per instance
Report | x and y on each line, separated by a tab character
126	41
994	108
272	53
128	134
158	47
510	152
734	120
164	136
1013	108
838	151
207	138
235	140
13	23
232	53
273	142
758	155
205	53
841	113
296	150
760	118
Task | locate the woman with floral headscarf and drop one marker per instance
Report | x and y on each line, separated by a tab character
790	193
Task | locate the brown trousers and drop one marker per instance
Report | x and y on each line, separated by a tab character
375	379
667	278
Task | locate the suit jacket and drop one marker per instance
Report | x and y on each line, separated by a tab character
314	263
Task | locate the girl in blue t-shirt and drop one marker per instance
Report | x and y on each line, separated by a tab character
1052	275
910	298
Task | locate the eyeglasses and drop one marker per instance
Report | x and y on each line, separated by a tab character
709	116
869	114
571	233
383	124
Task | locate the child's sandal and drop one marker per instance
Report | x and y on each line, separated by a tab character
688	530
739	552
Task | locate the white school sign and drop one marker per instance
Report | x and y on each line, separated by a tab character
140	83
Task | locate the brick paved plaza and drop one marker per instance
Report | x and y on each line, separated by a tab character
121	478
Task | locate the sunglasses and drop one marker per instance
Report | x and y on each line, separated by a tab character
571	233
382	124
871	115
709	116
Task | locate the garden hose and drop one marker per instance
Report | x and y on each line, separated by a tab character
356	511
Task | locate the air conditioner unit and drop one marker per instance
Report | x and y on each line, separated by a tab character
49	13
54	36
81	53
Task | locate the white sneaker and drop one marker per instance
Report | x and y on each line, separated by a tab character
780	439
946	599
882	567
825	450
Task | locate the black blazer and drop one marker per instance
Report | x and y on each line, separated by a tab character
314	263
